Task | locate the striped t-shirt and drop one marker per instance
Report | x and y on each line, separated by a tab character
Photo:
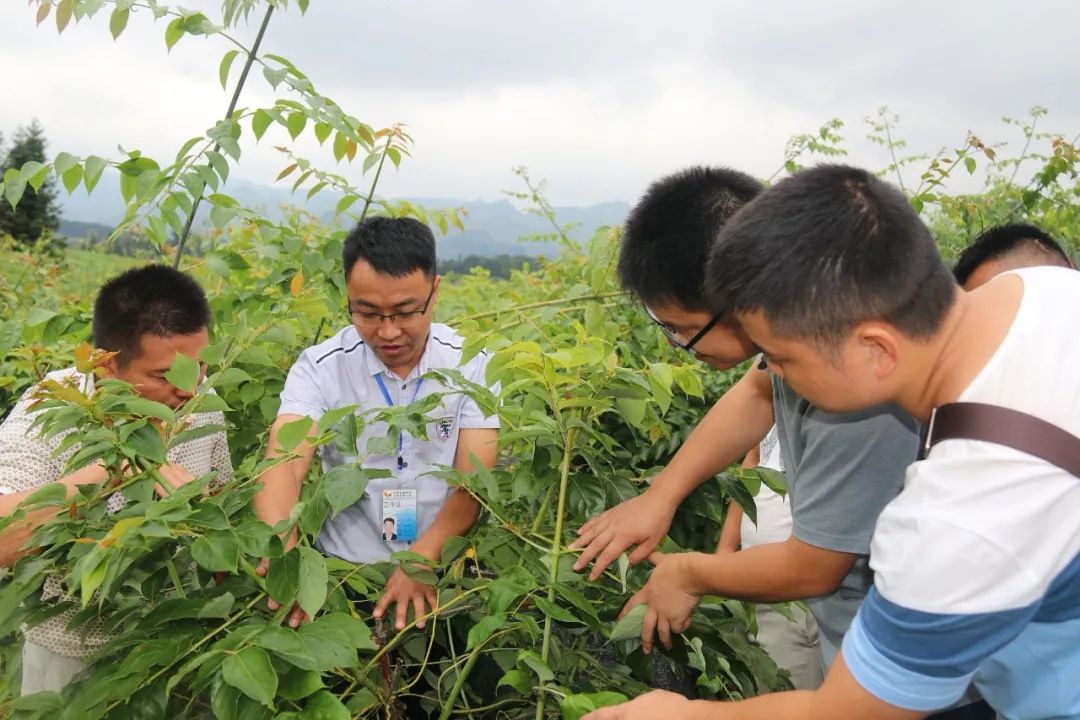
977	561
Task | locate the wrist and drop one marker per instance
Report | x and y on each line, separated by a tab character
664	490
694	570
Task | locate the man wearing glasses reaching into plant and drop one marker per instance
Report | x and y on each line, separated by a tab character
379	361
825	560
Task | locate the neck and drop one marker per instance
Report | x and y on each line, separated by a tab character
938	367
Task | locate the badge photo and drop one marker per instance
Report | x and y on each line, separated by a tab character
399	515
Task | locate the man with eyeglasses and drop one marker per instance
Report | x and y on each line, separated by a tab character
825	560
381	360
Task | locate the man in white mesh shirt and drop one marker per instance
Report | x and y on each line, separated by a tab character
147	316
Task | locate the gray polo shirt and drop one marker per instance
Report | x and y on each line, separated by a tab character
342	371
842	470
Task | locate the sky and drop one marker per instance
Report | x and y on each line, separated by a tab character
598	98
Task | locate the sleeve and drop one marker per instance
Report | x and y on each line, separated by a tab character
26	460
923	660
852	466
472	417
302	394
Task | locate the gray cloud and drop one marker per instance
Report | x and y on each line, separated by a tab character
598	97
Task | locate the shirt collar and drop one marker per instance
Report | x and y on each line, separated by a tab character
375	366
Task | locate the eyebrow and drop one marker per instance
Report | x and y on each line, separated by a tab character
403	303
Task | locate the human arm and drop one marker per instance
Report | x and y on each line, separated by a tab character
737	422
455	518
839	698
769	573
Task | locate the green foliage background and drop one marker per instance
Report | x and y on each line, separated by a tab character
592	401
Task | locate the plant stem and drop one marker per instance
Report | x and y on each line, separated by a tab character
228	114
448	705
175	578
533	306
378	173
556	552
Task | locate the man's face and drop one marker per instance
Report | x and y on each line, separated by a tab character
723	347
147	371
399	341
859	374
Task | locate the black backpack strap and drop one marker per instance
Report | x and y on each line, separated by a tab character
1011	428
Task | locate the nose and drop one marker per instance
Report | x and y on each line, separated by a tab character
388	330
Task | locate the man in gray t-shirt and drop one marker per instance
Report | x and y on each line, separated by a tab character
825	452
842	469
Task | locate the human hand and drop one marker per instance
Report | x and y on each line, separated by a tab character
641	521
175	476
650	706
401	590
668	597
297	615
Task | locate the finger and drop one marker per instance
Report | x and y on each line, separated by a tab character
159	491
663	627
598	543
264	567
648	631
644	551
680	626
635	600
591	525
418	608
657	557
432	600
380	607
608	713
402	614
273	604
297	616
614	549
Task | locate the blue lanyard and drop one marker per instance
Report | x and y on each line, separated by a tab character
401	464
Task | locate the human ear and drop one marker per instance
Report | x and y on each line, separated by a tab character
881	347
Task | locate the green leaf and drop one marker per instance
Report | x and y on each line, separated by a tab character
283	577
250	672
322	131
223	69
184	373
516	679
482	630
297	684
118	21
534	662
451	548
969	163
217	551
295	123
344	485
174	31
149	408
554	611
632	410
92	169
221	216
324	706
71	178
146	443
260	121
291	434
64	161
630	626
574	707
288	645
313	578
219	607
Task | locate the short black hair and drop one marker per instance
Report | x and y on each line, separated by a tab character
668	233
393	246
151	300
1001	240
826	249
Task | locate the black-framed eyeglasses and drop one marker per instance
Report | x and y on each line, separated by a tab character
368	318
675	338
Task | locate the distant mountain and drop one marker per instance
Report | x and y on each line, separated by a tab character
491	228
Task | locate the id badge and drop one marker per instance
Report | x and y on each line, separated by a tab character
399	515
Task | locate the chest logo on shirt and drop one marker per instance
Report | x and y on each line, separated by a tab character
444	427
